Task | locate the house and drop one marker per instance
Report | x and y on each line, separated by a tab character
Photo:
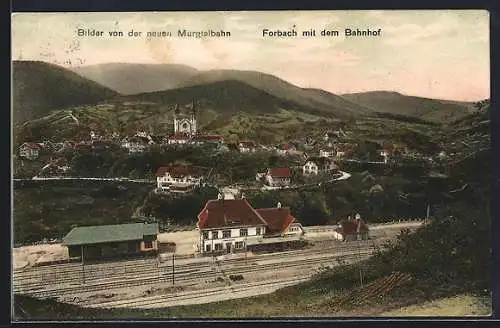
247	147
29	150
47	145
278	177
318	165
327	152
386	154
342	151
61	164
94	135
285	149
156	140
108	241
135	144
352	229
280	222
177	178
203	139
142	133
231	225
179	139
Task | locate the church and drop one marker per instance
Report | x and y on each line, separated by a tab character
185	123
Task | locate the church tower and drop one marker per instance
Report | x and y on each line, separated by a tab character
193	118
185	123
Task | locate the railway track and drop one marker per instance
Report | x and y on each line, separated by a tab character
102	274
143	264
70	272
182	278
187	297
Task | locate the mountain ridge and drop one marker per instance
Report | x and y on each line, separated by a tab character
39	87
429	109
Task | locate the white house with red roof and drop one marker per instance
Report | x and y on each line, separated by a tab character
286	149
352	229
327	152
229	225
278	177
179	139
247	147
342	151
29	150
179	178
318	165
135	144
386	154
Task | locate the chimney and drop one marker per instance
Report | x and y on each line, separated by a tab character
278	205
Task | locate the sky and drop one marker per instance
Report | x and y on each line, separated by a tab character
442	54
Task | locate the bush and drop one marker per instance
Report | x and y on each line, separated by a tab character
236	277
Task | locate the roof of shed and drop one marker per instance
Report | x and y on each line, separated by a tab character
109	233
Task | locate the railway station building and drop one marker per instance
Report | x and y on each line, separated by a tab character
111	241
233	225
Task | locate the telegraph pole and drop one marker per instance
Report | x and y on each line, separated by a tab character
173	269
158	265
360	263
83	265
246	247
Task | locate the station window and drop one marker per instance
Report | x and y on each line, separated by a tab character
208	248
205	234
148	244
238	245
243	232
218	247
226	234
257	231
215	235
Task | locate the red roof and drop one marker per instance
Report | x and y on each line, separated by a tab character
286	147
31	145
351	227
279	172
228	212
388	150
179	171
277	219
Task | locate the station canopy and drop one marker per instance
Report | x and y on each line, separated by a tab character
109	233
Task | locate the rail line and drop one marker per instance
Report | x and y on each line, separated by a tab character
71	272
36	281
153	301
60	269
183	279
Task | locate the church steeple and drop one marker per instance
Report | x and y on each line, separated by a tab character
193	117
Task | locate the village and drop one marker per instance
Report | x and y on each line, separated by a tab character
228	229
310	156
